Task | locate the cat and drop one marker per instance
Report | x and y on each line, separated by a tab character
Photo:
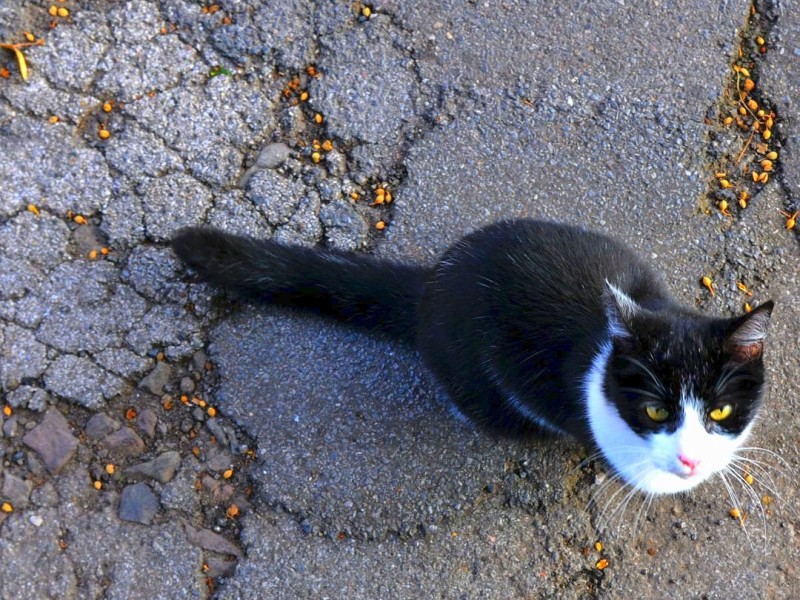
536	327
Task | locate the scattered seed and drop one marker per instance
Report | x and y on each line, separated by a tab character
79	219
63	12
766	500
327	145
33	208
743	288
160	356
598	545
212	412
772	155
747	307
130	414
316	157
29	36
354	196
748	85
601	564
752	104
107	107
7	410
104	251
303	96
380	225
760	41
742	110
706	281
318	119
227	474
791	220
767	134
727	120
53	10
232	512
766	164
735	513
53	120
744	71
366	11
725	184
723	208
110	468
764	177
196	451
92	254
748	479
755	175
6	507
103	134
98	485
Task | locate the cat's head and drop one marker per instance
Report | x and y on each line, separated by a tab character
673	395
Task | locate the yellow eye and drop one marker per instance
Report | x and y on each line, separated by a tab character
657	413
721	413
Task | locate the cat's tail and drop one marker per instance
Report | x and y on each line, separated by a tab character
351	287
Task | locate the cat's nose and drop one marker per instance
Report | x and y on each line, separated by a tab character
692	463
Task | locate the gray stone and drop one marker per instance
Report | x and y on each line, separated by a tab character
124	441
10	426
155	381
30	397
52	440
146	422
162	468
100	425
16	490
208	540
218	491
187	385
271	156
138	503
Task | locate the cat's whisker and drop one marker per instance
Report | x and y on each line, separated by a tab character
772	453
735	503
759	472
761	475
753	497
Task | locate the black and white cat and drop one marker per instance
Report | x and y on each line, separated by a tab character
535	326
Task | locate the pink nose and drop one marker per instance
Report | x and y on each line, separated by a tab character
689	462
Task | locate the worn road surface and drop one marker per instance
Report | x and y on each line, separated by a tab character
160	440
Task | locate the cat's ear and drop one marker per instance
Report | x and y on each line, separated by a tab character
620	310
745	340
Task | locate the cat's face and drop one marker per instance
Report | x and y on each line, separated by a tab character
671	400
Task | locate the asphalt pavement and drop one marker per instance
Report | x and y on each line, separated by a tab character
161	440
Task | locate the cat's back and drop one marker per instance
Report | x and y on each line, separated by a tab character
551	261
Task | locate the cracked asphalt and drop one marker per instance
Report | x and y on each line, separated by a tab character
161	441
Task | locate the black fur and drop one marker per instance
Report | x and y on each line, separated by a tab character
511	318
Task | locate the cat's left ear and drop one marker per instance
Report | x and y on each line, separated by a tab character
620	310
745	339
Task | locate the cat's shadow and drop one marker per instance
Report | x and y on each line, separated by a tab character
354	434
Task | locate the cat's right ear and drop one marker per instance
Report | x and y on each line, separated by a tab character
620	310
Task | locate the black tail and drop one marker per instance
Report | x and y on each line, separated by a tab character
354	288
